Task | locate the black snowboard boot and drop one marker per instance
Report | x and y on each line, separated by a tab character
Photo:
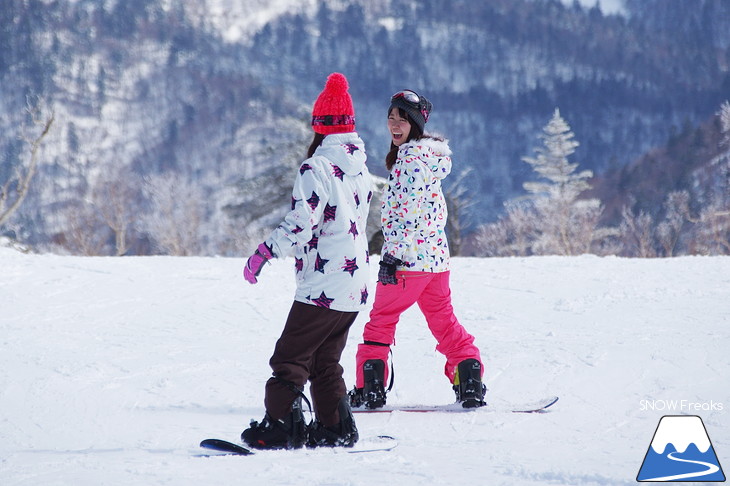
372	395
342	434
468	384
373	392
287	433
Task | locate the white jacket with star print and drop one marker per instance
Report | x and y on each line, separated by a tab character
325	229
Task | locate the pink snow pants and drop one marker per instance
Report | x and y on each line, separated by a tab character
432	294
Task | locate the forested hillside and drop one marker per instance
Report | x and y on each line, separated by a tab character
169	103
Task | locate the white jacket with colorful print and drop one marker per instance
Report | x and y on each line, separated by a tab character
413	212
325	229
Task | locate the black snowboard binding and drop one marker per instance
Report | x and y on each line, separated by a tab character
342	434
287	433
468	384
374	390
372	395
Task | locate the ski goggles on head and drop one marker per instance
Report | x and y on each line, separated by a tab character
408	95
413	101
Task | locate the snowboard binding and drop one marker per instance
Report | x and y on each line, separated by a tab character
373	394
468	384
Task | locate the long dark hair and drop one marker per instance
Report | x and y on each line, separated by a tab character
414	134
316	142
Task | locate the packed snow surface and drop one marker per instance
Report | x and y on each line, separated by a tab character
112	370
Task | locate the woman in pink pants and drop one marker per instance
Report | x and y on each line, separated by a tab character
414	266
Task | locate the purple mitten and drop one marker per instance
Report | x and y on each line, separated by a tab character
256	262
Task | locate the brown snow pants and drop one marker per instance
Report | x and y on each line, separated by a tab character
309	348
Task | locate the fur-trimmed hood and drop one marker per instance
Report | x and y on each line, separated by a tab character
433	152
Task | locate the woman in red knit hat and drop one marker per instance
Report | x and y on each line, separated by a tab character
325	230
414	266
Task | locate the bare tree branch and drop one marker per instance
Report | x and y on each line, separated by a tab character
15	189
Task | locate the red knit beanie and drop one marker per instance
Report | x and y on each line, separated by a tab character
333	111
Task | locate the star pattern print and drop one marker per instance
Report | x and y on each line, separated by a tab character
353	229
350	266
350	148
323	301
339	173
330	213
313	201
319	264
325	226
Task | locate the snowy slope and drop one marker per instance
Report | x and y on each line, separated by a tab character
113	369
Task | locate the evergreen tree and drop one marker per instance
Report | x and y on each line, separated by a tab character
566	225
551	220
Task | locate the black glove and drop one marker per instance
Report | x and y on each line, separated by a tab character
388	265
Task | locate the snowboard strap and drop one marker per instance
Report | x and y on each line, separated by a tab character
392	371
298	391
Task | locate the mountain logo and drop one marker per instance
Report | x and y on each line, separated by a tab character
681	451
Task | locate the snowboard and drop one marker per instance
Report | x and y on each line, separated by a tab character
367	444
540	406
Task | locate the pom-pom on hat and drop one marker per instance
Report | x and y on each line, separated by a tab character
333	111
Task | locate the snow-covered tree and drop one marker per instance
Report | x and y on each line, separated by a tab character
712	230
551	163
566	225
177	215
724	115
116	199
551	219
108	220
711	234
511	235
637	233
254	206
668	232
85	232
